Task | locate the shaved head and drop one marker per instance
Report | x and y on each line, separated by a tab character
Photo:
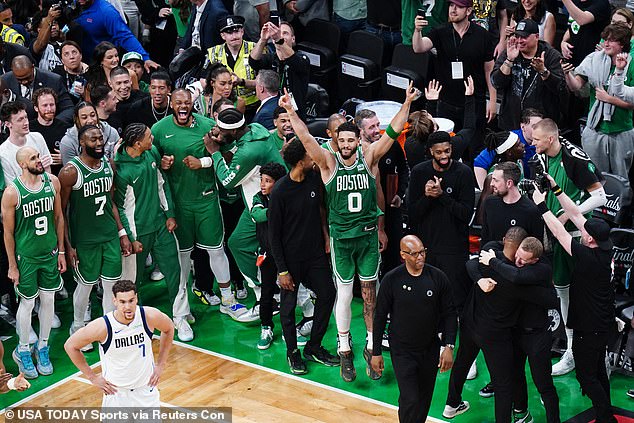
21	62
334	121
24	153
411	243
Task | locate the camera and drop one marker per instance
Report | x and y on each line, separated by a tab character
538	170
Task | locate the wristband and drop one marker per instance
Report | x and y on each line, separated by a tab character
283	273
61	253
391	132
542	208
11	384
122	233
555	189
206	162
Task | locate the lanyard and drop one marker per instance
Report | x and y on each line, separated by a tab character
455	43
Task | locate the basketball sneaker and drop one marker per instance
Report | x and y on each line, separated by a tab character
348	372
205	297
242	294
184	331
451	412
266	338
473	371
252	314
367	355
522	417
233	309
85	348
321	355
565	365
190	319
25	363
296	363
487	391
88	314
156	275
305	326
44	365
56	323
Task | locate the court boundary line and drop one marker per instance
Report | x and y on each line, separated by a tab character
47	389
296	378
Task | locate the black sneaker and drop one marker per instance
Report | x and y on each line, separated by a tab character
367	355
296	364
487	391
321	355
348	373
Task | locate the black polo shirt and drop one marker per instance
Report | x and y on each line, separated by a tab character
473	50
585	38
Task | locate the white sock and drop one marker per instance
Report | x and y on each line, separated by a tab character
81	298
45	315
106	300
226	293
369	339
343	313
23	320
180	308
344	341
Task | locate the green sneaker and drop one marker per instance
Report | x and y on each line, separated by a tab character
266	338
522	417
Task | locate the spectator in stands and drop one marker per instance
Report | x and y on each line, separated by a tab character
47	124
527	74
105	101
267	84
293	68
608	137
24	79
586	21
384	20
121	84
218	84
100	21
623	16
349	15
202	29
468	54
73	70
8	51
105	57
162	21
46	48
503	146
306	10
254	13
133	62
86	114
535	10
435	15
10	35
234	54
151	109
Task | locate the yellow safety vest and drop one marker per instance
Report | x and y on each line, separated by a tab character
10	35
241	68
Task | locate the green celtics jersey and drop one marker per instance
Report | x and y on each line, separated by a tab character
351	197
436	14
187	185
90	213
34	232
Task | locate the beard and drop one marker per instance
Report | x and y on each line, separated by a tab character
442	166
35	170
92	152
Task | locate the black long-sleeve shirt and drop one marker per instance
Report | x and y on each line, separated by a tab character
420	307
532	316
498	217
394	165
495	313
442	223
295	229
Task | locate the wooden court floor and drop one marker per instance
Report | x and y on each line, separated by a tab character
199	378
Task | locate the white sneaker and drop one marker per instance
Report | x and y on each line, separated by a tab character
56	323
241	294
85	348
565	365
184	331
190	319
473	371
251	315
62	294
451	412
156	275
233	309
88	314
306	328
148	260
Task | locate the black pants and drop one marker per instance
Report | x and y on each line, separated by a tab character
391	257
415	373
315	275
589	348
498	354
204	276
535	346
268	273
454	267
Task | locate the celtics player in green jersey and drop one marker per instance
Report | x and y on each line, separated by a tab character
579	178
352	218
179	139
34	239
93	245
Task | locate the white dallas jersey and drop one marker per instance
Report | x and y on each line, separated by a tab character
126	356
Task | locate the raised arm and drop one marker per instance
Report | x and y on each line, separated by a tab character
322	157
382	146
556	227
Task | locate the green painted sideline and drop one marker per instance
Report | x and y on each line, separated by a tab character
218	333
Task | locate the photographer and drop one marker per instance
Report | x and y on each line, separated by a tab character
591	312
578	177
46	48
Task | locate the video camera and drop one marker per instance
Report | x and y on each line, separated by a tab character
538	170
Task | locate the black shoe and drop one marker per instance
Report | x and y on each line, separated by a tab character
321	355
487	391
367	355
296	364
348	373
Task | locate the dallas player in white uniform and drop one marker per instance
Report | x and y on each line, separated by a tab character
129	376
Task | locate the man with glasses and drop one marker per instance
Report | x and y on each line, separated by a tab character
415	294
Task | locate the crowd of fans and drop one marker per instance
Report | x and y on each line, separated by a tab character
147	171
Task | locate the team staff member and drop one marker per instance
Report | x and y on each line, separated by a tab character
297	244
579	178
418	299
129	376
591	313
532	337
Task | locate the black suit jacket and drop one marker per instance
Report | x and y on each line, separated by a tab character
208	27
264	115
43	79
10	51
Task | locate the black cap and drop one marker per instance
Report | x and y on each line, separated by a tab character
599	230
231	21
526	27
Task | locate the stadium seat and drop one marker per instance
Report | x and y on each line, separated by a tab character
359	71
317	127
619	195
320	44
317	102
406	65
